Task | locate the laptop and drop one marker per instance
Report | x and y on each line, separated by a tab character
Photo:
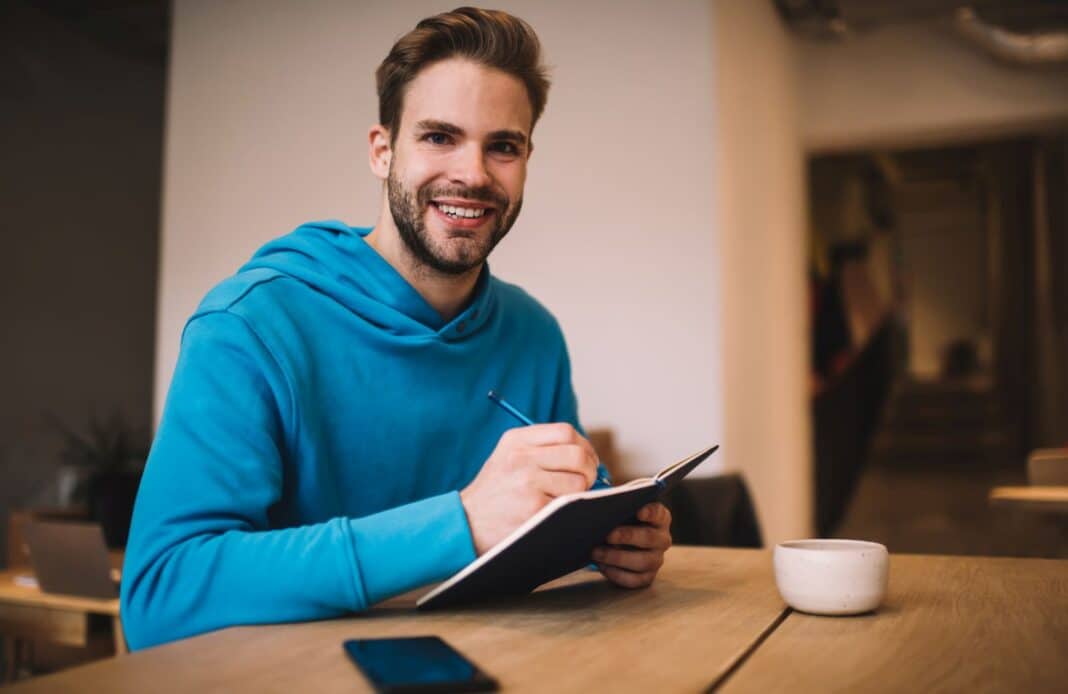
71	558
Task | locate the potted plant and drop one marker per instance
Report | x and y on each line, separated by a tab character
110	459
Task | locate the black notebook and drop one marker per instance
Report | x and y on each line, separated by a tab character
557	540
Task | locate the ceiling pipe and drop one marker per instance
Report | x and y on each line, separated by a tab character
1021	49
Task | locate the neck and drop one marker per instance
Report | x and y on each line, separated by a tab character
447	294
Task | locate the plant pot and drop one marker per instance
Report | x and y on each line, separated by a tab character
111	502
71	485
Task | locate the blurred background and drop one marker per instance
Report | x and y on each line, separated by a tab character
829	234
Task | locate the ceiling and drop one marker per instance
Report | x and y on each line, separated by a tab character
828	18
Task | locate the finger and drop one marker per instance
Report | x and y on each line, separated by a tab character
553	434
628	579
566	458
630	559
655	514
640	536
554	484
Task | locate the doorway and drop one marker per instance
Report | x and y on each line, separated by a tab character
938	340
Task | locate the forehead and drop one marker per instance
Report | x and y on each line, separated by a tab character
467	94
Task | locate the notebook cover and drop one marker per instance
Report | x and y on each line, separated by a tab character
561	543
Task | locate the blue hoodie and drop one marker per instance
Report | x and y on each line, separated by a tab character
321	420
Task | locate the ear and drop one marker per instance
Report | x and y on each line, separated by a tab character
379	151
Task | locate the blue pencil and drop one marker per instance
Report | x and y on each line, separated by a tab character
510	409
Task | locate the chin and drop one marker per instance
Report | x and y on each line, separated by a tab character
468	261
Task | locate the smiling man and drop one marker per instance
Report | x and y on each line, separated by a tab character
327	442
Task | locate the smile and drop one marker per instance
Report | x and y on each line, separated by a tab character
466	212
462	214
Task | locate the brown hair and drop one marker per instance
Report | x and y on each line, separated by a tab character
492	38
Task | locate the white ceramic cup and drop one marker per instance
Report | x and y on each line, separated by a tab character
832	577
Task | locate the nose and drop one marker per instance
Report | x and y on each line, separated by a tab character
469	167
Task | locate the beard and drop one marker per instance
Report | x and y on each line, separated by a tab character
408	208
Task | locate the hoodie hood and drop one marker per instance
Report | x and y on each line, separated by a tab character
334	259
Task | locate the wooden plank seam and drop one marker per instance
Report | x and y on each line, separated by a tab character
744	655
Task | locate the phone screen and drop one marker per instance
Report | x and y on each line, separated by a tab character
417	664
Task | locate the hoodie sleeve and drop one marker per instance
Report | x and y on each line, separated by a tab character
201	554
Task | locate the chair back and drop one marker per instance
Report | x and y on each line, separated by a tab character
713	511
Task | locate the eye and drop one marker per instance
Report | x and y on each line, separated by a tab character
437	138
505	147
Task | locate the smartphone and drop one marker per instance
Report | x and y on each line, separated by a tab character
417	664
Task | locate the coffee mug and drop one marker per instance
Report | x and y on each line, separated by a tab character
831	577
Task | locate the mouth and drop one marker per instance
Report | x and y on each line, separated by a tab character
466	214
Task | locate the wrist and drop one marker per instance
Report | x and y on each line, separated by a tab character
472	525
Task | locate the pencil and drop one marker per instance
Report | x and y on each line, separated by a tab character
510	409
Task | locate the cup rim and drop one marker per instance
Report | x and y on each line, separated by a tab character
815	544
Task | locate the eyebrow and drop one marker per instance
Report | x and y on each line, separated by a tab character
439	126
509	136
450	129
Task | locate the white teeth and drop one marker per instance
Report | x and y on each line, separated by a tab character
466	212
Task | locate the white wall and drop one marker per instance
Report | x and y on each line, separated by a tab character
269	105
912	84
760	199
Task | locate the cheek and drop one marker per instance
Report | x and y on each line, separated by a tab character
414	170
417	176
512	180
415	182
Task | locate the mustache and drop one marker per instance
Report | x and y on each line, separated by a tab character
478	193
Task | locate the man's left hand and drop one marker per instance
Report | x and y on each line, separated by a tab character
634	553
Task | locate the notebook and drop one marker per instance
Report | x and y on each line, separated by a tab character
557	540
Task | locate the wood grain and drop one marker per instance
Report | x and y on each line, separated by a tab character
704	611
951	624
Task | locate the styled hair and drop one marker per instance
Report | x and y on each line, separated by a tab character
492	38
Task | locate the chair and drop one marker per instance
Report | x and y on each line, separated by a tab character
713	511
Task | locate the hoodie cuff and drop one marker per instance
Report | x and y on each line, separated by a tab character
411	545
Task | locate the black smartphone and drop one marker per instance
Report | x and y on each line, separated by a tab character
417	664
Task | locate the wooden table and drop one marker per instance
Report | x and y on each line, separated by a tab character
28	613
705	610
949	624
1041	498
713	618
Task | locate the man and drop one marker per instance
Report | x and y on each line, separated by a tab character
327	441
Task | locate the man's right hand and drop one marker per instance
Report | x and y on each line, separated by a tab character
530	467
